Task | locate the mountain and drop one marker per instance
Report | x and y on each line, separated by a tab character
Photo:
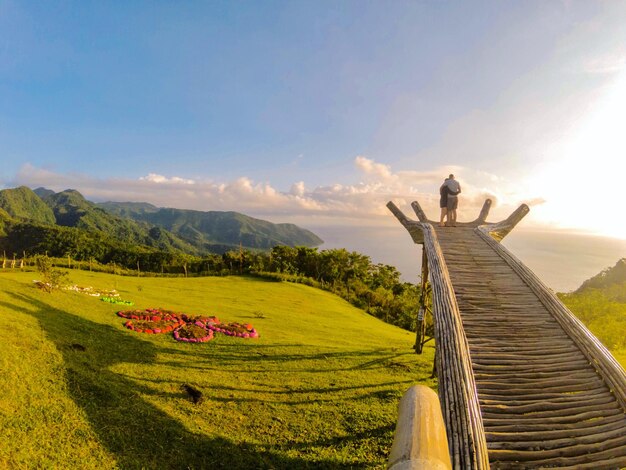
43	192
23	204
606	278
4	218
67	222
600	303
128	209
71	209
214	230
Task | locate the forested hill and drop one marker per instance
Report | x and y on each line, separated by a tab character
42	220
607	278
207	229
600	302
23	204
59	221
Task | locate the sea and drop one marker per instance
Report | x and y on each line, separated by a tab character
562	260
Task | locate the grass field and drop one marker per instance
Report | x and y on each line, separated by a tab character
318	389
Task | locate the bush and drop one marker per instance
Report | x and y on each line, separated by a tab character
51	279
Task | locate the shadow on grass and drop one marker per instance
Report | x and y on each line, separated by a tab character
293	396
234	355
137	433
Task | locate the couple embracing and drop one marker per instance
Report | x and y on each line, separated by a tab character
449	201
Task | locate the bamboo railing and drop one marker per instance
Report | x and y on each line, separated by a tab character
457	388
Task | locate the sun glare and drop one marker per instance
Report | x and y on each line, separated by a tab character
582	182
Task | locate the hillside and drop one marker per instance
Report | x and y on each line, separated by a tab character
208	230
71	209
318	389
23	204
4	219
66	223
607	278
600	303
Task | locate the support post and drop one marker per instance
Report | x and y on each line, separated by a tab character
420	326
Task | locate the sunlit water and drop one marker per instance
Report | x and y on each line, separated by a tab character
561	260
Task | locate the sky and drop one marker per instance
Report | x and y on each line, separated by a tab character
319	112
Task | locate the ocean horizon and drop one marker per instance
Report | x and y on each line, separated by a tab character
562	260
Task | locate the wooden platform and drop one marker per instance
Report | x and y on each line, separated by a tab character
542	402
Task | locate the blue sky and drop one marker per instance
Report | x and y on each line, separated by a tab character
316	110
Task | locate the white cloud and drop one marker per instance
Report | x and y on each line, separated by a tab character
364	202
154	178
298	189
370	167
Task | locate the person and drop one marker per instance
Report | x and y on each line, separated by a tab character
443	203
453	189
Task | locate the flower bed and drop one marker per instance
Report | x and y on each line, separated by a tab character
204	319
88	290
193	333
153	327
150	314
188	328
235	329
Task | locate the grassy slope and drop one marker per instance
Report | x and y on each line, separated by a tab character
603	315
319	389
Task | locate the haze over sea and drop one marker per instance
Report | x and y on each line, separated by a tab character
562	260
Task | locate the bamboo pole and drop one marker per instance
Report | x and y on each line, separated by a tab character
422	310
484	212
412	228
501	229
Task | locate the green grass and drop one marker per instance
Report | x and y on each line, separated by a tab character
620	355
602	311
318	389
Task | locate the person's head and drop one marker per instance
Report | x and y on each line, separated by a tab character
451	177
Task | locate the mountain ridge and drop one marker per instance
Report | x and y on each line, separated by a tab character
207	228
24	204
139	223
607	277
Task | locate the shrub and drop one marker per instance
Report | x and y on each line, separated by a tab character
51	279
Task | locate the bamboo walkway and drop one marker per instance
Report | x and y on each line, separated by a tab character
543	404
549	394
